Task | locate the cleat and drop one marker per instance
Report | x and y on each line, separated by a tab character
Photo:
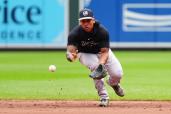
118	90
104	103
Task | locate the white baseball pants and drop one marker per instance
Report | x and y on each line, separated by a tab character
113	67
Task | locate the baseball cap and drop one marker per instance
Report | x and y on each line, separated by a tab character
86	14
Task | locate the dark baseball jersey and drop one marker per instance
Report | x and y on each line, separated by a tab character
87	42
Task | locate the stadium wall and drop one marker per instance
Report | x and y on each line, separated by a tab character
33	24
134	24
44	24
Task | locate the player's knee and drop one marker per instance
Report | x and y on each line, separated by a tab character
117	74
115	78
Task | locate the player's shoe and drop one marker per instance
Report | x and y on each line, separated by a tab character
118	90
104	103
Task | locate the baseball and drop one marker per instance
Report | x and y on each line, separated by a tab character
52	68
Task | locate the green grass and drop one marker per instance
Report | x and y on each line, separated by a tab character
25	75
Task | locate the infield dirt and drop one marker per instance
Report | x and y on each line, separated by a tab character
83	107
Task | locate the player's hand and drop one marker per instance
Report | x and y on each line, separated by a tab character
71	56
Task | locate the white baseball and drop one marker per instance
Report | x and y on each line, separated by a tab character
52	68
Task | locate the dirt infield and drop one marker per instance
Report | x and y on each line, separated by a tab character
84	107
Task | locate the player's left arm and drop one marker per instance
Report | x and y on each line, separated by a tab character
104	50
104	53
100	71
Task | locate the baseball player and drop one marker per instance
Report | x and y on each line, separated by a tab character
89	42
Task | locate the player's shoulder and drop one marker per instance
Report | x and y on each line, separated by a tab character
74	31
102	29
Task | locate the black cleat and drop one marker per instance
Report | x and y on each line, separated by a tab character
118	90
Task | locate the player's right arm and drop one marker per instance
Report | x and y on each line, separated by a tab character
72	50
71	53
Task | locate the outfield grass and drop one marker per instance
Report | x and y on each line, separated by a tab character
25	75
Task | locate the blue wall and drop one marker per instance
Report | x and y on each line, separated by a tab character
131	21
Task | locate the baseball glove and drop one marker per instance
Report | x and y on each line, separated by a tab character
99	73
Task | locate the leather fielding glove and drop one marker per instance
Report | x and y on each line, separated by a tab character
99	73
